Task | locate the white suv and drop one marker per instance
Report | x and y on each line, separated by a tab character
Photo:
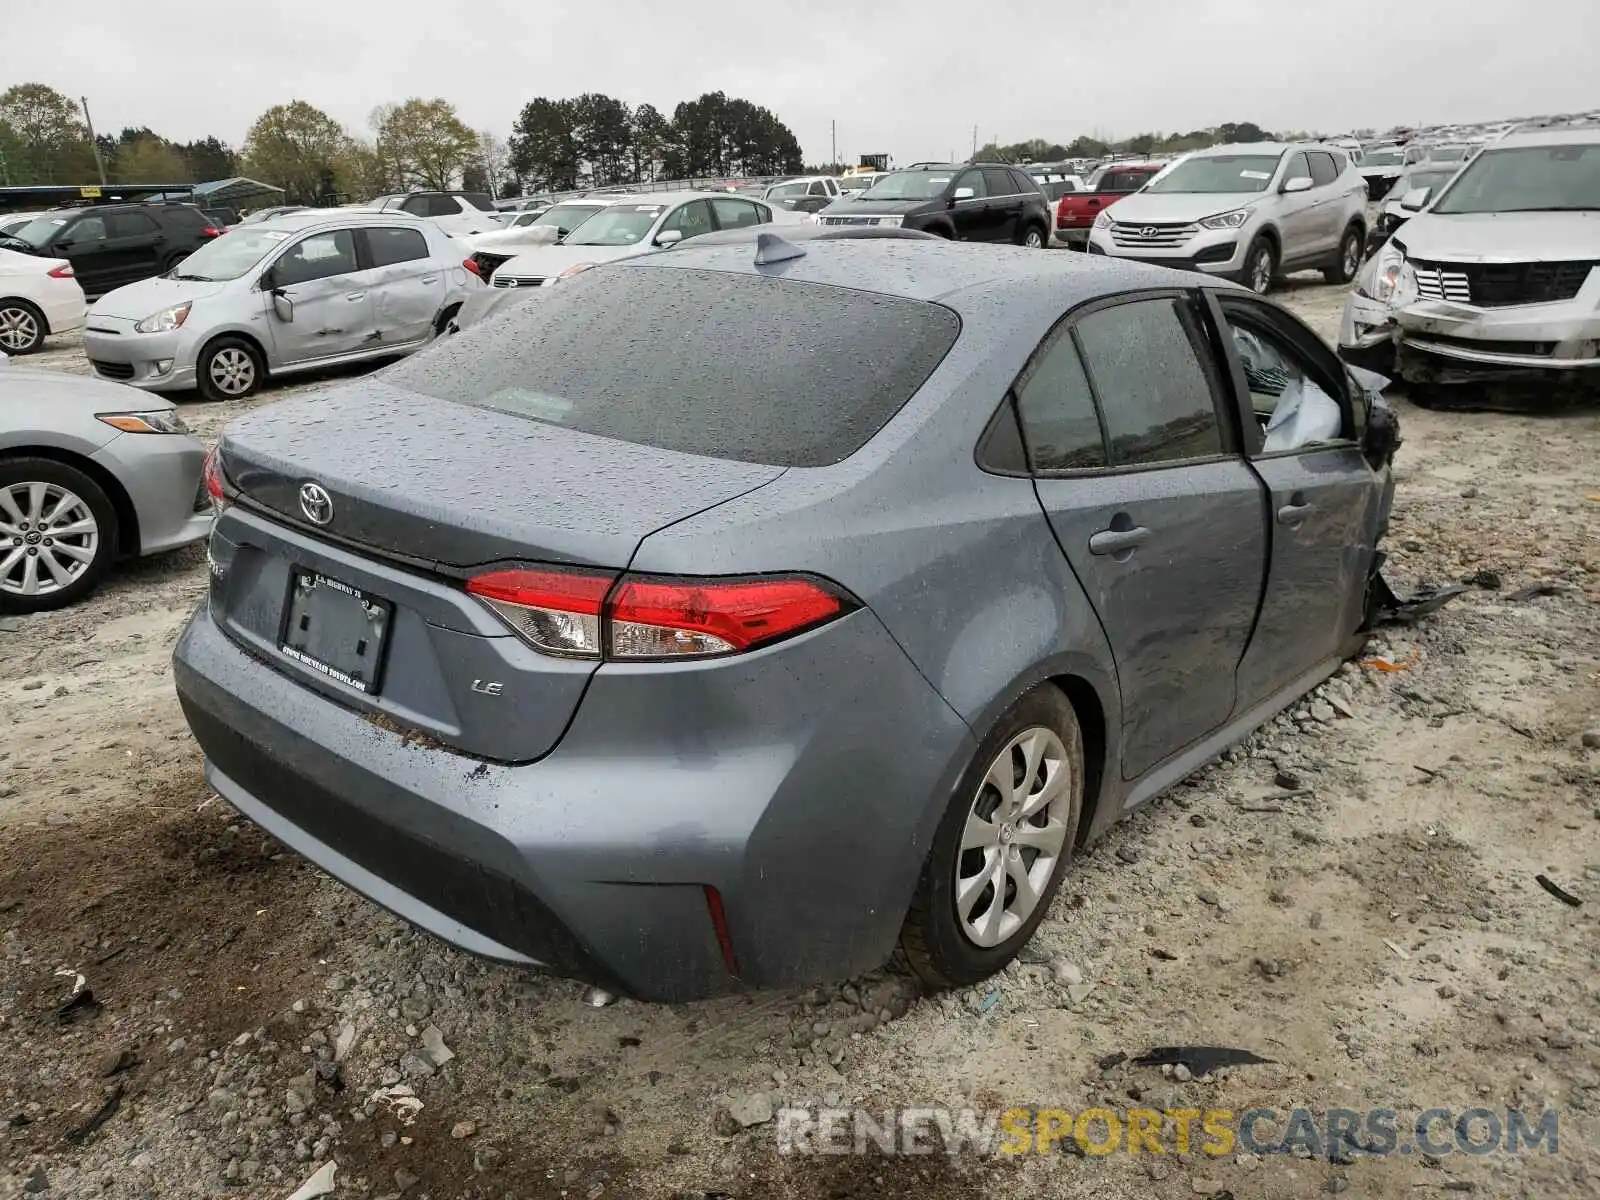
1249	213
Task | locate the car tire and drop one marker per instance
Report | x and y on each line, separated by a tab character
22	328
1260	266
1034	238
1351	248
954	936
70	499
228	368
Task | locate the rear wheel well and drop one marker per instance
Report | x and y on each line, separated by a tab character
31	307
127	517
1092	723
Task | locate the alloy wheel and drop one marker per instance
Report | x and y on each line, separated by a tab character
1014	837
1261	272
1352	257
19	329
232	370
48	538
1032	239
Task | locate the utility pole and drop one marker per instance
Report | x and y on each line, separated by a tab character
974	141
100	163
833	127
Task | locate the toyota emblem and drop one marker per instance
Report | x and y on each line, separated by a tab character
1149	231
316	503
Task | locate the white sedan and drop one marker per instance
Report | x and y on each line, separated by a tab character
38	297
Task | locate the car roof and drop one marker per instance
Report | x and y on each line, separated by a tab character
296	222
1262	148
1580	135
967	278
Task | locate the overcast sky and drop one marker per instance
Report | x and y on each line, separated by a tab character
910	78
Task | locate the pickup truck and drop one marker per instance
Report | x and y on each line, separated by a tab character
1076	211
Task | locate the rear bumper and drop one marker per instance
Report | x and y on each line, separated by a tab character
803	785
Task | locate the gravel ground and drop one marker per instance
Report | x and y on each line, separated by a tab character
1372	925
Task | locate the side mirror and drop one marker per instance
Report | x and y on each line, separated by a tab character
282	306
1300	183
1413	200
963	193
669	237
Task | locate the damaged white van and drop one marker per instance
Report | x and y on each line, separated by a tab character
1494	278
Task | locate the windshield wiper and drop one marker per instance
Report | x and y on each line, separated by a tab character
191	278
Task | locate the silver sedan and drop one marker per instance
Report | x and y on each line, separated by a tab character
90	472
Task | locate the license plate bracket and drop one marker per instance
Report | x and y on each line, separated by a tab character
336	630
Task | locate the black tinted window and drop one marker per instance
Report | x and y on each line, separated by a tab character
1322	172
415	205
479	201
317	257
1025	183
129	224
754	369
1059	421
443	206
186	216
388	246
1155	394
999	182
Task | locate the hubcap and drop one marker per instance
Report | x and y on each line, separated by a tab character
19	329
48	538
1352	256
1014	837
233	371
1033	240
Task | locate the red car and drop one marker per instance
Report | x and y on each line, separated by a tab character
1076	211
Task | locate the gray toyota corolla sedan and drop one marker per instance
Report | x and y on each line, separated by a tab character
732	615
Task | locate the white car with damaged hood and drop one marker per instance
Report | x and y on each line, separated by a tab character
636	223
1495	277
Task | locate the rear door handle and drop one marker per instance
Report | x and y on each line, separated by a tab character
356	296
1295	511
1117	541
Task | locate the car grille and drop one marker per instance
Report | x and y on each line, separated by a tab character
112	370
1500	285
850	220
518	281
1151	237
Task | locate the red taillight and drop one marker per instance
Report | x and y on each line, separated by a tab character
213	477
558	612
64	271
471	264
589	614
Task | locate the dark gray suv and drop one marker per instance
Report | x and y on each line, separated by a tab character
966	202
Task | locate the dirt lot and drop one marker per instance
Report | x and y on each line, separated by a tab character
1376	931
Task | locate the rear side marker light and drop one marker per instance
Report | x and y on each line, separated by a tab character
591	614
212	474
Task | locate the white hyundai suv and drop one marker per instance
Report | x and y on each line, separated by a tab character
1247	212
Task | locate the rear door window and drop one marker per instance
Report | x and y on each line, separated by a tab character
385	247
1060	425
443	206
998	182
130	225
735	214
417	206
1146	361
761	369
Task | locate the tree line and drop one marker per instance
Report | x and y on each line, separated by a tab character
588	140
1041	150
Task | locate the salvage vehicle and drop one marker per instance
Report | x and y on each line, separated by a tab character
965	202
39	297
296	293
656	221
531	230
1248	213
599	635
90	473
110	245
1493	279
1382	166
1075	212
1428	178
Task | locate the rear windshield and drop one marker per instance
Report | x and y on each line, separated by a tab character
729	366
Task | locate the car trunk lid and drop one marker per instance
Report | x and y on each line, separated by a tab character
362	512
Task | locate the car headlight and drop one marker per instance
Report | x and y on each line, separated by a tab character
1103	221
1382	276
891	221
166	320
162	420
1227	220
